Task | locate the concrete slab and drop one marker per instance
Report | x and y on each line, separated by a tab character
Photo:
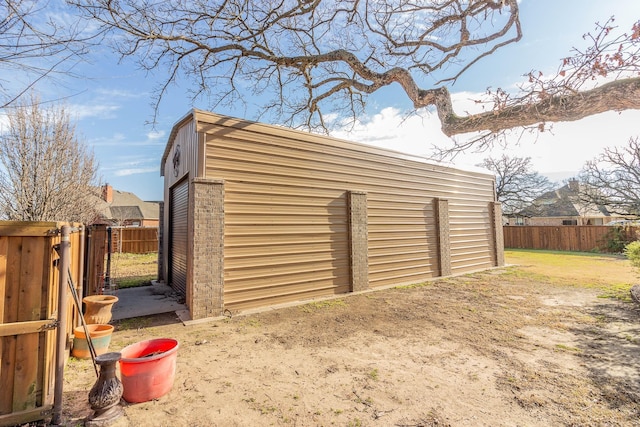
146	300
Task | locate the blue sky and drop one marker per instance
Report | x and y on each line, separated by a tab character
111	102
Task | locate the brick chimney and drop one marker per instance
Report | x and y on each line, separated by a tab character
574	185
107	193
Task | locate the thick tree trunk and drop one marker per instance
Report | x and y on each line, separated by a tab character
615	96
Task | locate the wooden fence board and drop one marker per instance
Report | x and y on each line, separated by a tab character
29	303
11	304
4	241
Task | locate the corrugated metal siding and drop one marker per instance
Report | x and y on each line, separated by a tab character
178	237
187	138
471	237
400	195
282	243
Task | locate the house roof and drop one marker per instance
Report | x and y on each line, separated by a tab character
564	202
126	212
126	205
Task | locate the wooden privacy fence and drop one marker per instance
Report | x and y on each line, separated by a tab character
29	288
583	238
134	240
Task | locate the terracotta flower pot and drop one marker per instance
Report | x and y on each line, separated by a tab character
98	308
100	337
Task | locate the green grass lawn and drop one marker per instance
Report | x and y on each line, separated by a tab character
613	275
131	270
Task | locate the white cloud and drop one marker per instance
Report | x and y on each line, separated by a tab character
120	140
156	134
119	93
136	171
559	153
390	129
102	111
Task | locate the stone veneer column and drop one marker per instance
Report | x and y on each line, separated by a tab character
498	232
358	240
443	228
205	281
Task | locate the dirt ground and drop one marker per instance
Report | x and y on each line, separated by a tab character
497	348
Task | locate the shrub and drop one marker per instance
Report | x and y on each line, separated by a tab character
617	238
632	251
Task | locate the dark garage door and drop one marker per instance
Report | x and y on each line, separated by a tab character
178	237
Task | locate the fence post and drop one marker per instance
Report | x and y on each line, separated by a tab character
63	265
443	229
358	240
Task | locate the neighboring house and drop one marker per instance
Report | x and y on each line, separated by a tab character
123	208
563	207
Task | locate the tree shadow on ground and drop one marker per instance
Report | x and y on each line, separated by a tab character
609	351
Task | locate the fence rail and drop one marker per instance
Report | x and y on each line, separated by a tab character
583	238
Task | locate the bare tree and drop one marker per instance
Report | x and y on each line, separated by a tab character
317	56
613	179
517	185
35	46
46	172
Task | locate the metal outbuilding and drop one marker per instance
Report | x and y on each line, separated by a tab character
257	215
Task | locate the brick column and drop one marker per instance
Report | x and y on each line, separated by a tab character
444	244
205	277
495	209
358	240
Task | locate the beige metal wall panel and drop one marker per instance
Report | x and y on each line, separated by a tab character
282	243
182	155
402	237
471	237
271	236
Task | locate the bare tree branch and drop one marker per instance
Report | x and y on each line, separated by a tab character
613	179
517	185
614	96
36	46
322	55
316	56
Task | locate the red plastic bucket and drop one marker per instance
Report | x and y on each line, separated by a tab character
148	368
